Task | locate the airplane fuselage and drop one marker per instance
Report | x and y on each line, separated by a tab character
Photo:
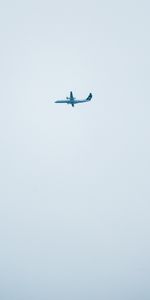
72	100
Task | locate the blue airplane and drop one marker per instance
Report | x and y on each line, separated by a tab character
72	100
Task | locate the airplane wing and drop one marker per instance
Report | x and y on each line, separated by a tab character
71	95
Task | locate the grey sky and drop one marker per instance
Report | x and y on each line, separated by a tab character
74	214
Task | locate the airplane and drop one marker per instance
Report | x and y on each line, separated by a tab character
72	100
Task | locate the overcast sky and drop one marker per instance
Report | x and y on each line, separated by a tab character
75	190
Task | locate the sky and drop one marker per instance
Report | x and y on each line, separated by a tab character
74	196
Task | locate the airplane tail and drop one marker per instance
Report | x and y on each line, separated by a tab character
89	97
